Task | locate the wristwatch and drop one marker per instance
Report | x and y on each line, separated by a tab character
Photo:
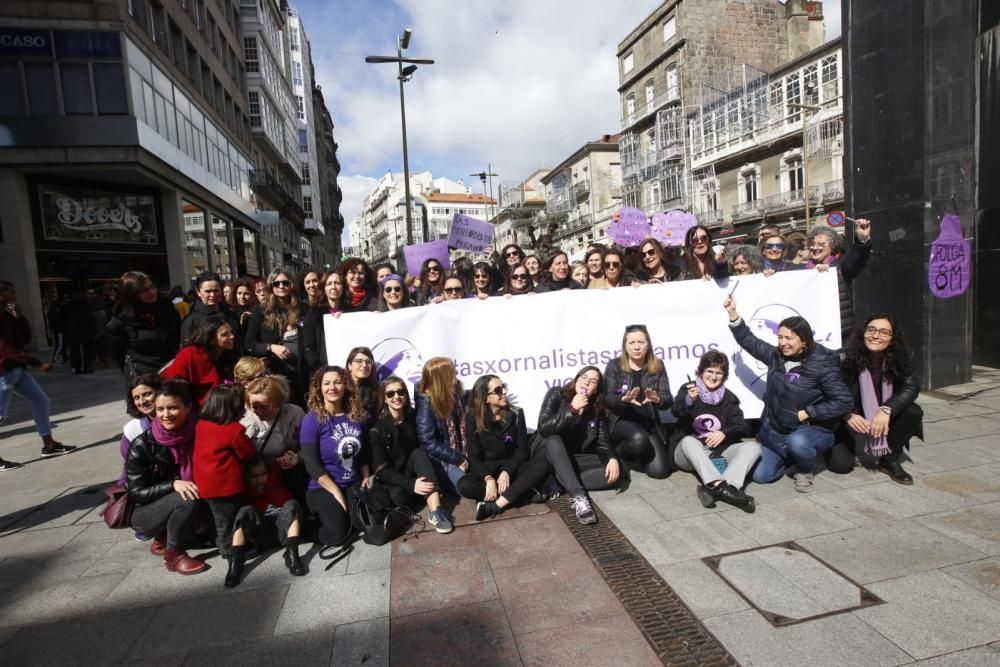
886	409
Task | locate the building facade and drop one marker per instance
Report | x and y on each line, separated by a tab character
519	200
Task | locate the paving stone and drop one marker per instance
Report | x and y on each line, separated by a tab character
969	426
981	656
679	501
426	581
834	640
366	557
952	455
613	641
154	584
457	636
860	476
525	542
312	604
932	613
702	590
978	526
432	542
983	575
311	648
36	542
888	550
628	508
362	643
57	601
875	503
691	537
68	508
234	617
958	488
39	569
96	640
92	533
788	520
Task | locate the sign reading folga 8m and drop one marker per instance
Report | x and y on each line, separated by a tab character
949	267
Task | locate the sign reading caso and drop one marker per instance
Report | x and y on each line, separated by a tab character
540	341
72	213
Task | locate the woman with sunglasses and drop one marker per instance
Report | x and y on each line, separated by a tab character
699	258
393	294
556	272
614	271
359	281
878	369
454	287
482	280
276	330
501	470
431	282
397	459
744	260
361	368
804	398
636	389
314	327
573	437
594	259
517	281
655	265
773	250
510	256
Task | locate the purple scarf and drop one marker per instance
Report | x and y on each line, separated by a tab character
869	404
713	397
829	261
180	442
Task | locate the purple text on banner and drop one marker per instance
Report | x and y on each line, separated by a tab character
418	253
671	227
631	227
470	233
950	263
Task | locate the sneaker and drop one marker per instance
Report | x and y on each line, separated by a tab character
551	490
440	520
584	511
57	449
141	537
803	482
9	465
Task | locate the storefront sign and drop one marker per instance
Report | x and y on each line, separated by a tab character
25	42
88	44
70	213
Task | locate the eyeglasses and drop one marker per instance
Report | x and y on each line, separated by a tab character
701	238
612	265
649	253
395	393
452	290
393	290
884	333
518	276
587	380
362	361
281	283
635	327
498	391
774	246
513	253
435	269
713	374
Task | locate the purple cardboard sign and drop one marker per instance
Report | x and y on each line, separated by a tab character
950	263
418	253
469	233
671	227
631	227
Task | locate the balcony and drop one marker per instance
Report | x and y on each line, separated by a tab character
267	186
794	199
748	210
833	191
581	189
710	219
646	109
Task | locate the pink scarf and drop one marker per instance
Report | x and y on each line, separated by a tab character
869	404
180	442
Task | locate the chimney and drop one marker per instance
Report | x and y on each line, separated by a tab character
804	26
605	138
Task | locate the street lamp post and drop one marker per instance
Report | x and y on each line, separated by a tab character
805	160
404	75
482	176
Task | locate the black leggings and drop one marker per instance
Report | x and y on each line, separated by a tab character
531	474
851	445
335	523
268	530
418	464
224	512
171	512
575	472
642	449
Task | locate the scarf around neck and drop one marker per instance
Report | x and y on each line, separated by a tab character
709	397
869	405
180	442
829	261
357	298
456	427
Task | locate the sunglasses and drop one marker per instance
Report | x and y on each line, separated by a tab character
513	253
774	246
395	393
499	391
612	265
393	290
649	253
281	283
481	276
699	239
519	276
435	269
452	290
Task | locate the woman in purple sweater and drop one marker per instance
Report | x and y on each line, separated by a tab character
140	406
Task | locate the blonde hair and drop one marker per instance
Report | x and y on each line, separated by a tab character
248	368
275	387
440	383
651	364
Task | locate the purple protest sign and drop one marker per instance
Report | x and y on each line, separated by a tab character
418	253
670	228
470	234
950	263
631	227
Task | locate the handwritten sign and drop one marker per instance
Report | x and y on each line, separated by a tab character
671	227
950	263
470	233
418	253
631	227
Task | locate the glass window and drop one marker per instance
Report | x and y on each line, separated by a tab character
303	142
300	110
650	92
673	83
10	83
669	28
297	73
76	89
41	82
628	62
109	84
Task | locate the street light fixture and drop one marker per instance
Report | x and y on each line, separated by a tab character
404	74
482	176
805	164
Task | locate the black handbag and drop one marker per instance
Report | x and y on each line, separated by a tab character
374	515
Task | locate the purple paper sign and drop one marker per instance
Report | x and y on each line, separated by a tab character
670	228
470	234
631	227
418	253
950	263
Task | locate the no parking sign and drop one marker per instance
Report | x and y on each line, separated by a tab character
835	218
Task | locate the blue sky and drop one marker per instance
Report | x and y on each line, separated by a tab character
518	84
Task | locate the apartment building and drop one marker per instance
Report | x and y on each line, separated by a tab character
519	201
326	185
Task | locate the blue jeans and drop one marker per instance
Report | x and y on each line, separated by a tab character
450	472
19	381
799	448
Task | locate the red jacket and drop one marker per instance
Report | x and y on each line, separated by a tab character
219	454
273	493
194	365
15	333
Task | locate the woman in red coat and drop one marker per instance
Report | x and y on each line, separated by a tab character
221	448
207	358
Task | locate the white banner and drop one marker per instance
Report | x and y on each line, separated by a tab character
536	341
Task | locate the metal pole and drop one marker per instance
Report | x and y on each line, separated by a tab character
805	169
406	157
489	206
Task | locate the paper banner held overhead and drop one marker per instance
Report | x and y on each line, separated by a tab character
469	233
950	264
418	253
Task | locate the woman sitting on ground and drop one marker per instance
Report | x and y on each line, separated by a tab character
710	430
804	398
397	459
140	404
636	389
159	479
878	369
207	358
393	294
574	439
332	447
272	424
501	470
314	326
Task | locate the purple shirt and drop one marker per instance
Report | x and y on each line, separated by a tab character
339	440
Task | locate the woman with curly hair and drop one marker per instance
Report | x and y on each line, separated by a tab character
744	260
878	369
332	447
359	285
275	332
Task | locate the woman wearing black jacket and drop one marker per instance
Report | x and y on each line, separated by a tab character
501	470
709	433
145	329
636	388
573	437
555	270
314	327
208	287
878	370
275	331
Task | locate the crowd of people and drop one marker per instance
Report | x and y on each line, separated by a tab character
243	434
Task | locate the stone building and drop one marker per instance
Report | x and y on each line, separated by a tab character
519	200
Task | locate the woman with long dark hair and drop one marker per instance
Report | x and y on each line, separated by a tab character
244	302
207	358
878	369
310	287
360	366
517	281
314	327
482	280
359	285
431	288
510	256
275	332
556	272
657	266
145	328
208	288
804	399
699	258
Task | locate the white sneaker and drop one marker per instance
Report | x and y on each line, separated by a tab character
804	482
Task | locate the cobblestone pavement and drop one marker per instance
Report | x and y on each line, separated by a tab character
862	571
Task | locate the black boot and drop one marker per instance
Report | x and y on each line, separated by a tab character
891	466
292	560
730	495
237	558
707	495
486	510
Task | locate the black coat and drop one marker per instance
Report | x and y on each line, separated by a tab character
150	470
498	448
556	285
149	337
200	312
615	379
390	448
728	411
555	418
848	268
904	393
259	336
314	338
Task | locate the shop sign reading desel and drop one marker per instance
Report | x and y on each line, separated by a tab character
89	215
72	214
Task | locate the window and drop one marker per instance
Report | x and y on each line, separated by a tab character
296	73
253	104
628	62
793	95
76	89
630	108
306	176
212	35
137	10
810	80
670	28
307	206
300	110
158	24
250	54
650	93
830	78
199	14
794	167
303	141
293	38
748	185
177	45
10	83
41	88
673	83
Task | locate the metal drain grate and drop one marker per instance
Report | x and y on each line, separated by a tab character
674	632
